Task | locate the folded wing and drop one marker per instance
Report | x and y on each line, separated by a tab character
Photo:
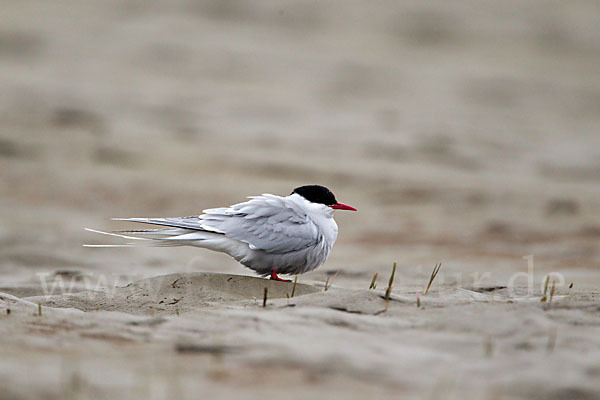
267	222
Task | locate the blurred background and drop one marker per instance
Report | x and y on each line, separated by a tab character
464	132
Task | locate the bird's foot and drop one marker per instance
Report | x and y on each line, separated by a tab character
276	278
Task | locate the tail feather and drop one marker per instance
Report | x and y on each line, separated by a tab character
115	234
192	223
112	245
166	237
154	233
130	244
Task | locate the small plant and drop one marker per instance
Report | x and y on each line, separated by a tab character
39	309
327	285
388	291
434	273
265	296
418	300
544	297
552	291
374	282
294	286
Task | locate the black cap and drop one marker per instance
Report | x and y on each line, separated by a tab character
316	194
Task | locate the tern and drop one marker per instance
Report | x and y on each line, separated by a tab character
269	234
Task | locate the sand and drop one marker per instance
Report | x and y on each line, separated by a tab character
185	335
464	132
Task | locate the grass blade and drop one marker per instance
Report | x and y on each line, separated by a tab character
265	296
552	291
434	273
294	287
388	291
327	284
544	297
374	281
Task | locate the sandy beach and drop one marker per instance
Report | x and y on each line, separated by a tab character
464	132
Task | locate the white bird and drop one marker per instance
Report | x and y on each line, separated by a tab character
269	234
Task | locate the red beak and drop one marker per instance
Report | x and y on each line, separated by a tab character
342	206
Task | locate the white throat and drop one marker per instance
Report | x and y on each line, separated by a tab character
321	215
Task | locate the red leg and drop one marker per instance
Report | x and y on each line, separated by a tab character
276	278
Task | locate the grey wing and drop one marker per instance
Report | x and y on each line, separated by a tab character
267	222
